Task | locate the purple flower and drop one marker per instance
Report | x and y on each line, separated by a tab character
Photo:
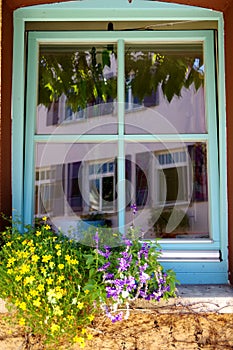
106	254
144	251
144	277
117	317
108	276
112	292
128	243
96	237
104	267
143	267
134	208
124	263
130	283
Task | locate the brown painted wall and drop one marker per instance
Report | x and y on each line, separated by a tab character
229	109
226	6
5	121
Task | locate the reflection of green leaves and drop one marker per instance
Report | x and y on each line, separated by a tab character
74	76
80	77
172	72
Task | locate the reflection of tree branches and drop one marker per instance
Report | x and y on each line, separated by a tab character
79	75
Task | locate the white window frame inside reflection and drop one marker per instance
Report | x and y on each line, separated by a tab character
176	159
96	173
44	188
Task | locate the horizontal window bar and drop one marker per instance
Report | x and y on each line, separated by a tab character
206	255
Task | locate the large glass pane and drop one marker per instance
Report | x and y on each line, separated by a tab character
164	89
76	186
168	184
77	89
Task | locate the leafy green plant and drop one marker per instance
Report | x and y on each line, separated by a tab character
56	286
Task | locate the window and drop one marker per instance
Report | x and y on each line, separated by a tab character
102	186
121	117
168	173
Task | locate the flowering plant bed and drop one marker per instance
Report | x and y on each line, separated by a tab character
56	287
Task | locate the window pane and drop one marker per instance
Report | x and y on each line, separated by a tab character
168	184
77	89
164	89
81	190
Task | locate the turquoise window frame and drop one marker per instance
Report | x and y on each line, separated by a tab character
200	270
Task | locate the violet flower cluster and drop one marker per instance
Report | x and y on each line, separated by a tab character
130	272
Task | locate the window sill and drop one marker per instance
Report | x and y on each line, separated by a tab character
194	299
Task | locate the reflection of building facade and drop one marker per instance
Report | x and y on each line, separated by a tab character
157	175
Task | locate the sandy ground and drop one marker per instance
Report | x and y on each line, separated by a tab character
144	330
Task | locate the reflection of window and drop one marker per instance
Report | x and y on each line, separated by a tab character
44	188
74	194
173	177
102	186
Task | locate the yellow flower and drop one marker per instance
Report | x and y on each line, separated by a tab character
24	269
67	257
22	321
18	278
10	271
37	302
59	253
29	280
8	244
80	306
19	254
57	311
40	287
55	328
86	291
61	266
32	249
46	258
49	280
11	261
23	305
43	270
61	278
34	292
70	317
51	264
57	246
84	331
30	243
79	340
89	336
24	242
47	227
35	258
44	218
25	254
91	318
38	233
74	261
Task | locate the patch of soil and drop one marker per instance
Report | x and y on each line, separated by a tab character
144	330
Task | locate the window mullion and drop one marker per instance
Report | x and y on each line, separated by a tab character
121	151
